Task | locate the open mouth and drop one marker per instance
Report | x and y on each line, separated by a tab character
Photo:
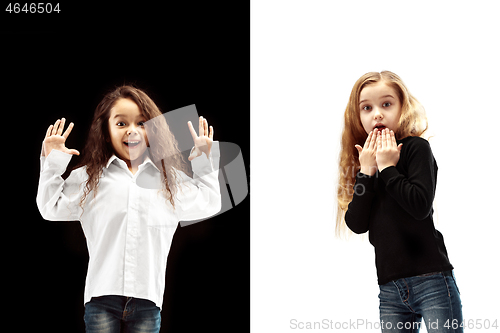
379	127
132	144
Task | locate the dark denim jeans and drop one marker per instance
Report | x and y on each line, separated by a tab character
115	314
434	297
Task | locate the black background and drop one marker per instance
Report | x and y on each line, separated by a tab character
61	65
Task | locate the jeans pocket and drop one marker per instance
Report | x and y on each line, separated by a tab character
455	281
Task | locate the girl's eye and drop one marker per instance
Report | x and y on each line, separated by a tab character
141	123
386	104
367	108
121	123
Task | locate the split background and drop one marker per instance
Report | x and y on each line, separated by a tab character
304	60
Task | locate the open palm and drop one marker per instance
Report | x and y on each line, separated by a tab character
203	142
55	139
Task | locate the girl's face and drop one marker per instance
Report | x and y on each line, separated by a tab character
379	107
126	130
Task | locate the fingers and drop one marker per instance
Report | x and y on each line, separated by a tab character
367	142
49	131
370	143
393	139
61	126
382	138
205	127
373	140
379	140
387	139
201	129
370	140
68	130
58	127
193	132
55	127
73	152
194	153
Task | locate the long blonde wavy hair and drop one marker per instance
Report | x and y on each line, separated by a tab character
412	122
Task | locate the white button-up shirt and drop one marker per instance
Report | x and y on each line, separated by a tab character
128	228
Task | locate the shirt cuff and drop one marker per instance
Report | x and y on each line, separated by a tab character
365	181
57	161
202	165
389	173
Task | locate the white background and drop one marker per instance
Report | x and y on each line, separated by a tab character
305	58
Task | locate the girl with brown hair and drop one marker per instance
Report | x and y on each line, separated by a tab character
128	228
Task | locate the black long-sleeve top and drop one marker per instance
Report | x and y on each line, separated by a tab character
395	205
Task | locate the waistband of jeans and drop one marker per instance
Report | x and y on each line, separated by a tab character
445	273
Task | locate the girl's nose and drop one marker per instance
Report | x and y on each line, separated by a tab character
132	130
377	114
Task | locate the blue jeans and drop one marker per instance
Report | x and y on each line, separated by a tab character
115	314
434	297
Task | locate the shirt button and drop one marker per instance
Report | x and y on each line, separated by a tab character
133	180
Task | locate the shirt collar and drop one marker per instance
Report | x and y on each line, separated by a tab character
147	160
111	159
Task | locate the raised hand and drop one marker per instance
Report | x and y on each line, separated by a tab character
367	158
387	149
55	139
203	142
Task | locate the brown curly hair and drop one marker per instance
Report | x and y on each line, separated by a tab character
98	149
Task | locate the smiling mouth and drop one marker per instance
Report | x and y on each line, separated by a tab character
132	144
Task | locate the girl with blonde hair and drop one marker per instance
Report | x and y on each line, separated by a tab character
387	182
